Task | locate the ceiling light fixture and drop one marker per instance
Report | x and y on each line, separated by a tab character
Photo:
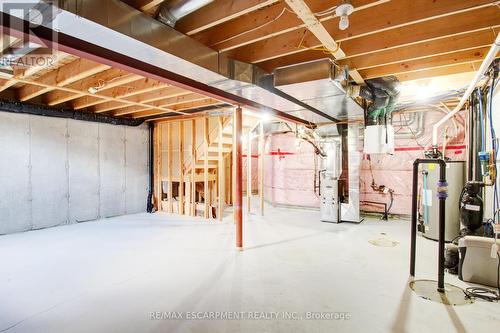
343	11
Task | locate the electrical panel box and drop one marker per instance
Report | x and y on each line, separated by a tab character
379	139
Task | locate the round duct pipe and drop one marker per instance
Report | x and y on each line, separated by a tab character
173	10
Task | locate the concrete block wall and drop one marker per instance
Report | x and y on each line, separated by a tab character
62	171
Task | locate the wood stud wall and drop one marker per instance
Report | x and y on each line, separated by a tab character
176	147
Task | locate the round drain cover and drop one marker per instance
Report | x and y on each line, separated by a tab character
383	242
427	289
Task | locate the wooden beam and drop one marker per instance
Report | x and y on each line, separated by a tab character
72	72
169	168
316	28
218	12
249	172
459	57
221	171
261	167
441	27
181	167
265	23
205	166
193	169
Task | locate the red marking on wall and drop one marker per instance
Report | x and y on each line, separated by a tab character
416	148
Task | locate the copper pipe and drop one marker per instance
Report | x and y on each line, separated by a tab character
238	195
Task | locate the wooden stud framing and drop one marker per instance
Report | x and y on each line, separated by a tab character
193	168
221	172
206	194
181	167
169	168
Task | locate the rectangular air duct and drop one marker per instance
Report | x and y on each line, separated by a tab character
320	85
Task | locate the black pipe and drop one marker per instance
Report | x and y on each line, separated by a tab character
42	110
150	205
442	193
472	136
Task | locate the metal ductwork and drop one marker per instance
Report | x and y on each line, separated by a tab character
173	10
111	26
322	85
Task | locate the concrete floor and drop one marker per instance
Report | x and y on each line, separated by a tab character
108	276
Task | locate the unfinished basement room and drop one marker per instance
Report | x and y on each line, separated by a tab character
206	166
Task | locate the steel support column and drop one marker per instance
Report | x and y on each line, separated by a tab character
238	177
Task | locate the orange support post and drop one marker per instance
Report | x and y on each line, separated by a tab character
238	195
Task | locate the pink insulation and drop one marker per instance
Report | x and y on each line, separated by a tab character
289	172
290	169
395	171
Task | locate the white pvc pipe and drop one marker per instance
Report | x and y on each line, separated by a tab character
484	66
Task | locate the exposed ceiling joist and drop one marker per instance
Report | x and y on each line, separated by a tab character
86	93
448	59
218	12
144	5
145	98
122	91
366	27
266	23
440	71
326	40
55	58
72	72
100	82
445	45
181	107
316	28
166	102
442	27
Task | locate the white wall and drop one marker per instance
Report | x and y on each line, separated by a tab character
60	171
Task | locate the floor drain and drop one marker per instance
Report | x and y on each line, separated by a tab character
383	242
427	289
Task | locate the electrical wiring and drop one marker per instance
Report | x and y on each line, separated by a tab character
326	11
285	9
485	293
493	143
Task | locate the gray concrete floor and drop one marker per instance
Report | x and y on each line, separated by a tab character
109	276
